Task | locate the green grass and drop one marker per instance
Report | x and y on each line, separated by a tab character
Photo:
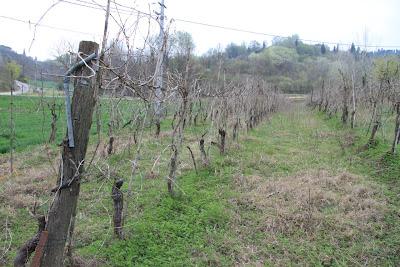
32	120
211	222
174	231
47	85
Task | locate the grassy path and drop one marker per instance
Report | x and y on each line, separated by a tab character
292	192
303	198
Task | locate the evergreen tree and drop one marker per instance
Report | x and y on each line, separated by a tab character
323	49
353	48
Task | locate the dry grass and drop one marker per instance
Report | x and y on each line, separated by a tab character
27	187
323	134
347	140
85	262
302	201
307	205
32	179
35	173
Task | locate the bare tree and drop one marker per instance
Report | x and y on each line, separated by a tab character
345	99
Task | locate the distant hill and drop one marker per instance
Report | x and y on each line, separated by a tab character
28	66
384	53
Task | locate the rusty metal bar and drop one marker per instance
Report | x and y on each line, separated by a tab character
39	249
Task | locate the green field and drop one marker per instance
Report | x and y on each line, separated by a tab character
295	191
47	85
32	119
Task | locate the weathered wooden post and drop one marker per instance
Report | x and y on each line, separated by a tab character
204	158
118	199
65	202
396	128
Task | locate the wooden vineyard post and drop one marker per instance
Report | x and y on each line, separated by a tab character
66	198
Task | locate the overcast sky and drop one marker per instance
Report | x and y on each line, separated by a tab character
343	21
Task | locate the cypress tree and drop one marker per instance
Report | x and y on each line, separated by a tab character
323	49
353	48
